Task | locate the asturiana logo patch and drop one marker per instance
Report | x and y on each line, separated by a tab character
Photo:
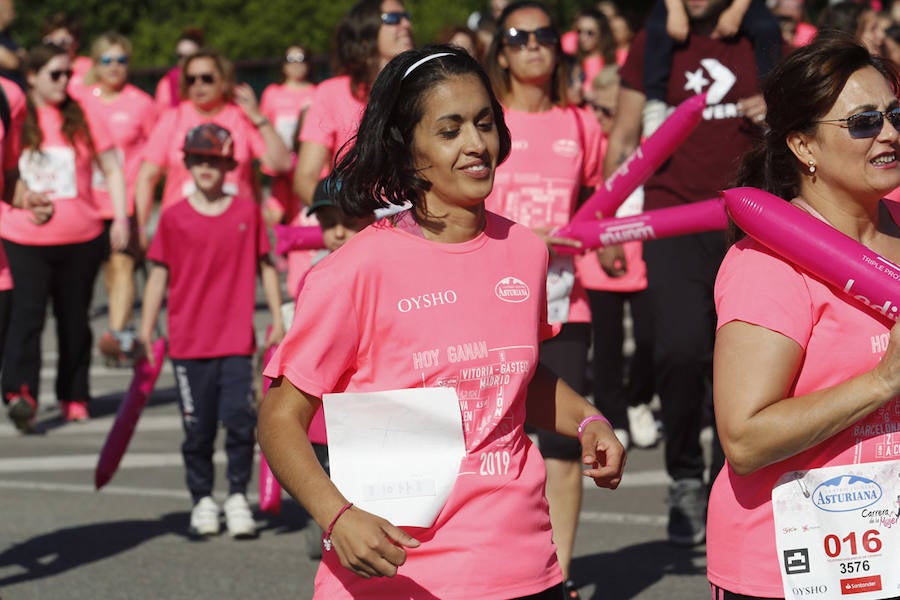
511	289
846	493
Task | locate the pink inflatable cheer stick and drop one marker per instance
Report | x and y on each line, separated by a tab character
708	215
814	245
645	160
269	488
297	237
145	376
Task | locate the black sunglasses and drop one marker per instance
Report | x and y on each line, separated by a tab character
394	18
194	160
868	124
55	75
207	78
108	60
518	38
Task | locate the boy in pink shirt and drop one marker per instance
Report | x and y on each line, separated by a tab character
206	252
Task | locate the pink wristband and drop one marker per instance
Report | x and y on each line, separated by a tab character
590	419
326	539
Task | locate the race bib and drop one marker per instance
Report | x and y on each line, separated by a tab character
50	171
286	127
560	281
837	530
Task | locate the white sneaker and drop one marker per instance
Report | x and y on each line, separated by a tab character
205	517
642	423
238	518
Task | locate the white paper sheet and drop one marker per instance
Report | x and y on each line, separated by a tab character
396	453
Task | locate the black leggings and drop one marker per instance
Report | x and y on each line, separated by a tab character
63	274
554	593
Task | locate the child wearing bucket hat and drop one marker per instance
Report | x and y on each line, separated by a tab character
206	254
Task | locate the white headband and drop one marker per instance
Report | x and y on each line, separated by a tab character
422	61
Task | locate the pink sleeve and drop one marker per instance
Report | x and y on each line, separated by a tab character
17	112
319	351
318	124
157	147
157	250
592	167
265	102
757	287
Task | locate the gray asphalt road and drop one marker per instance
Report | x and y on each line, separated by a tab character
59	538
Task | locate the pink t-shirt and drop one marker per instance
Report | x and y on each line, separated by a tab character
467	316
282	104
333	116
212	263
10	146
131	117
63	172
166	94
163	149
76	87
554	154
840	340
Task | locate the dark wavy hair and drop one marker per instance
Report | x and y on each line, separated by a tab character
799	91
355	48
500	77
74	127
606	42
379	169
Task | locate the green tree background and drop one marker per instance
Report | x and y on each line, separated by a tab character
246	29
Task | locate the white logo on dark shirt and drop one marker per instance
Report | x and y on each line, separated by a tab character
722	80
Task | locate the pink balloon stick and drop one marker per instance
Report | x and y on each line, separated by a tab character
297	237
269	488
645	160
708	215
858	272
145	376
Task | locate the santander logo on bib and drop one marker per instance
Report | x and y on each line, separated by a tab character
846	493
511	289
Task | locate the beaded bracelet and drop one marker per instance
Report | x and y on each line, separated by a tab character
590	419
326	539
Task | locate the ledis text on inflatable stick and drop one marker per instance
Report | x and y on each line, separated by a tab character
145	376
708	215
297	237
812	244
645	160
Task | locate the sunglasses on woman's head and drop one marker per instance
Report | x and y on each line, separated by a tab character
518	38
394	18
108	60
56	75
295	57
868	124
207	78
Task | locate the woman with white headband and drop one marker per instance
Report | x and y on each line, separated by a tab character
432	136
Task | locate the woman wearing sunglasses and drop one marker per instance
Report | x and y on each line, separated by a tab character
554	163
57	256
804	378
210	95
283	103
370	34
130	115
596	44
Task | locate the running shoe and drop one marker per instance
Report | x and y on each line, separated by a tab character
238	517
571	592
687	512
624	438
642	424
21	408
74	411
205	518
